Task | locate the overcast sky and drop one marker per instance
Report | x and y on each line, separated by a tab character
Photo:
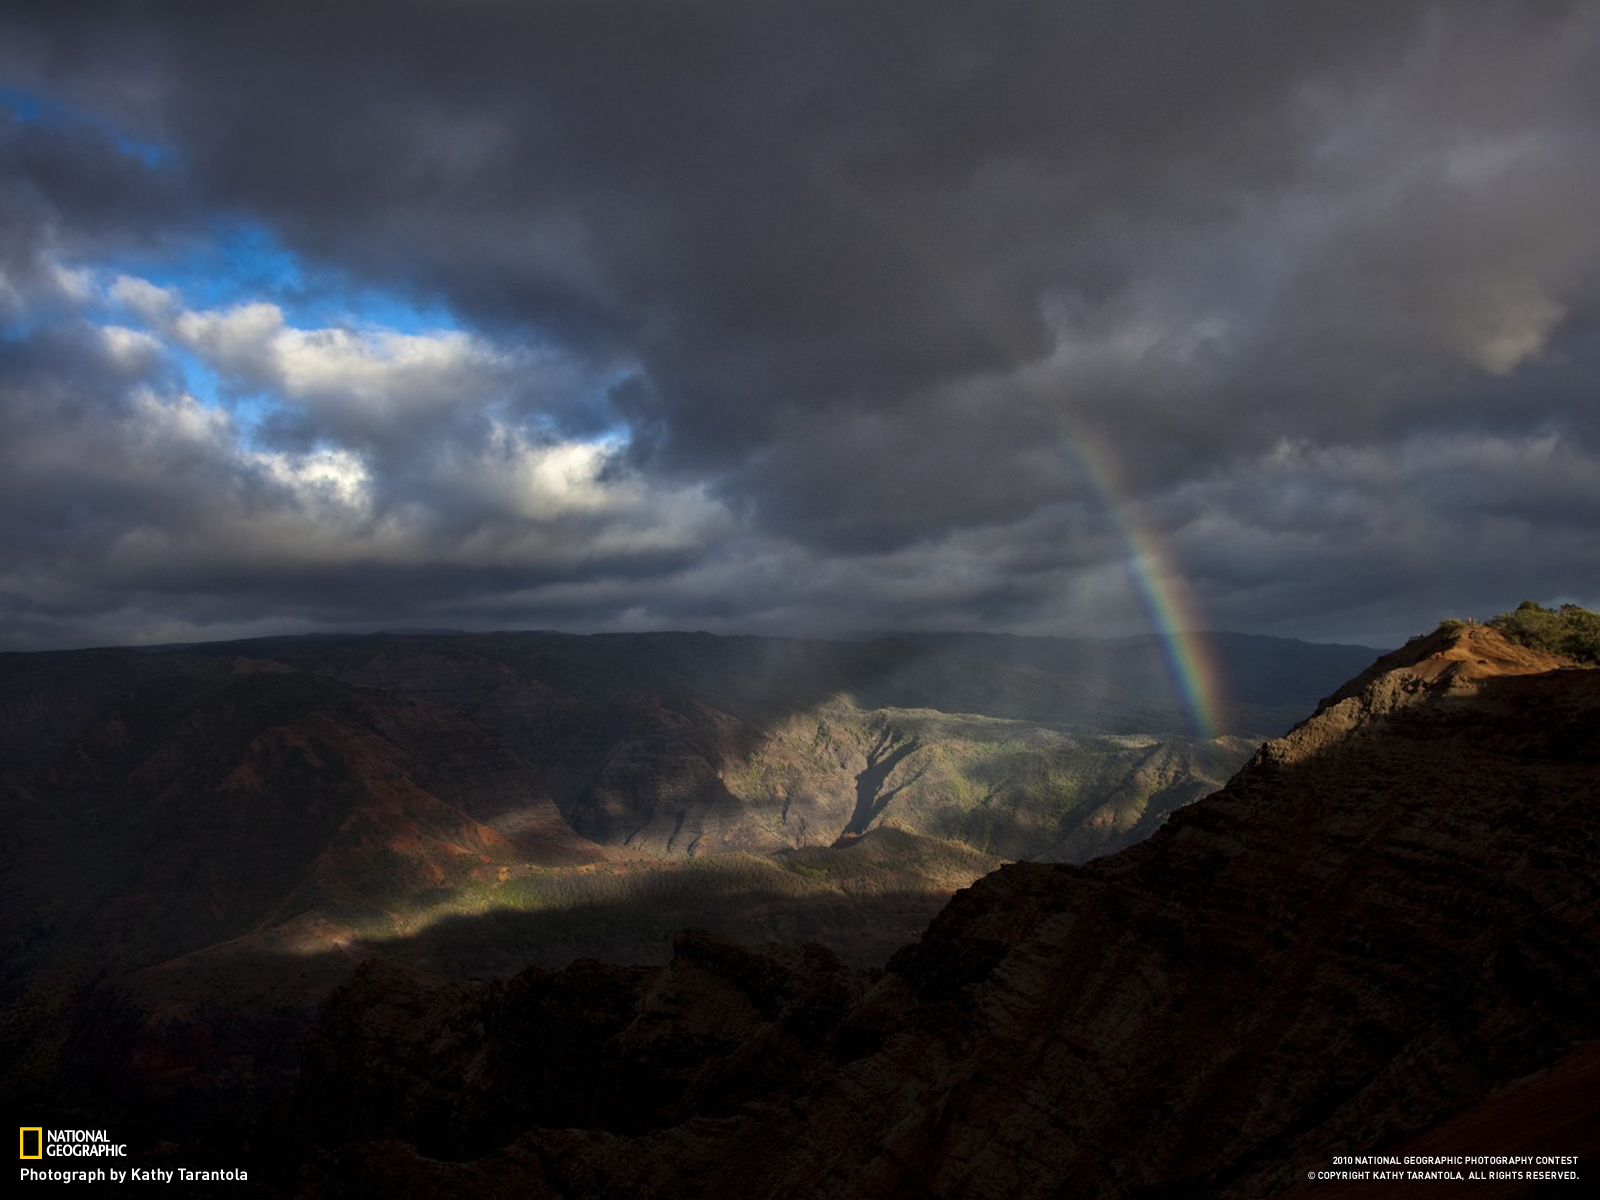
795	317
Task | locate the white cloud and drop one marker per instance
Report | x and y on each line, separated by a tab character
154	304
184	506
373	389
374	368
131	349
73	284
238	340
320	477
166	419
377	366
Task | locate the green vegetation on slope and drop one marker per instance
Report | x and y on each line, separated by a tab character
1571	630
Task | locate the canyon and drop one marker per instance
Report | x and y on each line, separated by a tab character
1386	922
585	917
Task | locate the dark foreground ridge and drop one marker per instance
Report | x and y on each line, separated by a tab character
1388	921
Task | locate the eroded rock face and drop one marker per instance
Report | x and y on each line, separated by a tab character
681	745
1387	916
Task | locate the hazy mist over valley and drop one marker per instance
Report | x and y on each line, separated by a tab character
801	599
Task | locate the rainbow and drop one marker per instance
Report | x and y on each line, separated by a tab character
1190	658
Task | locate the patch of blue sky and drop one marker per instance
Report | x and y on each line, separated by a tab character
232	263
34	109
25	106
238	261
200	380
614	438
151	154
235	260
206	386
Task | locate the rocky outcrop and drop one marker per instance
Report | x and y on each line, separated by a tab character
1388	917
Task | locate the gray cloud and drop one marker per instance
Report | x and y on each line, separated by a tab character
832	314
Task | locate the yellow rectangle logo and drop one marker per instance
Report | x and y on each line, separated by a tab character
38	1141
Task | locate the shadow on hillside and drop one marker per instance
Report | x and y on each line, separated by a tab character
502	941
190	1048
882	758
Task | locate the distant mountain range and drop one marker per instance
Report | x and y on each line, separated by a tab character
1267	683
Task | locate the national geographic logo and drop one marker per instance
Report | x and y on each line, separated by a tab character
38	1142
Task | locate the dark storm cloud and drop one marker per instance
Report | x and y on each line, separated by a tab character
68	189
900	284
776	204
